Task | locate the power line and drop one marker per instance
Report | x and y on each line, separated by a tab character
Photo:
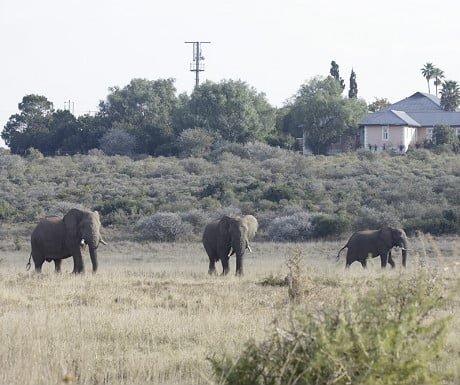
196	66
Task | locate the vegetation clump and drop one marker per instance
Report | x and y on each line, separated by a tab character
390	334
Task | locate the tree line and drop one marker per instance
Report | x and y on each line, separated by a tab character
149	117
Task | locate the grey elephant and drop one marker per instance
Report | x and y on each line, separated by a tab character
374	243
226	237
56	238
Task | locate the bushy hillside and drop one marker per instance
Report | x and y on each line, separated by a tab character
295	197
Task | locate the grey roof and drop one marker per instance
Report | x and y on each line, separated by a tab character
391	117
418	110
417	102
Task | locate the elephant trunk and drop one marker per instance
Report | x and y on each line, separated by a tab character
239	246
92	240
404	251
93	256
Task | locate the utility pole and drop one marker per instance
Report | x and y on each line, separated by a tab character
197	66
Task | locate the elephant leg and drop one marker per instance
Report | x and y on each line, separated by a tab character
212	266
391	261
38	262
78	263
239	266
225	268
383	259
57	265
364	263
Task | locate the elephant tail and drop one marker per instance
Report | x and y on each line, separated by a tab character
338	254
28	263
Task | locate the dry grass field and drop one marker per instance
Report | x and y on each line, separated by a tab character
152	314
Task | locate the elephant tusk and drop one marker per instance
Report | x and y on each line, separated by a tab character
82	242
103	242
249	248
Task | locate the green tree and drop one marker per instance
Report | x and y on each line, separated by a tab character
444	134
438	75
29	128
146	109
323	114
378	104
233	110
427	72
64	134
353	91
450	95
334	71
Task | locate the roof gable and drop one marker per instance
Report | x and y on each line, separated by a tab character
418	102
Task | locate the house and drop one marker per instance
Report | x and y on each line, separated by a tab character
405	123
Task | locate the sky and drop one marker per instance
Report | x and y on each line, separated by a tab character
74	51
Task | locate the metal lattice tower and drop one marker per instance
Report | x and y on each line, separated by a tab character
197	66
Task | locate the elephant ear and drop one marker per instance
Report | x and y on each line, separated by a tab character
386	235
225	224
71	222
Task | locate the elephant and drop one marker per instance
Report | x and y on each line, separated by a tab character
56	238
374	243
228	236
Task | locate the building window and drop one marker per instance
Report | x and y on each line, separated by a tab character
385	132
429	133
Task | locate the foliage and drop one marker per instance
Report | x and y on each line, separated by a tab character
324	114
118	141
378	104
444	134
163	227
194	142
295	227
233	110
330	225
334	71
390	334
331	192
427	72
450	95
353	91
146	108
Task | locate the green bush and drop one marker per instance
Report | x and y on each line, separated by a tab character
388	335
327	226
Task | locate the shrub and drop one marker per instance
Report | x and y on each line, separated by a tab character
293	228
387	335
163	227
118	141
194	142
370	218
330	225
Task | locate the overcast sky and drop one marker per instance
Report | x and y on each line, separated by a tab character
75	50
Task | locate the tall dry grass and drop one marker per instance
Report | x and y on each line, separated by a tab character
152	314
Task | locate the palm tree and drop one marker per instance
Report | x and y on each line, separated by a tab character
427	72
450	95
438	75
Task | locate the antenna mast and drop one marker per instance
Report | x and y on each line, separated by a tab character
196	66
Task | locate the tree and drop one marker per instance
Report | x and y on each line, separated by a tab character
444	134
118	141
353	91
30	127
145	108
450	95
233	110
334	71
378	104
427	72
438	75
323	114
